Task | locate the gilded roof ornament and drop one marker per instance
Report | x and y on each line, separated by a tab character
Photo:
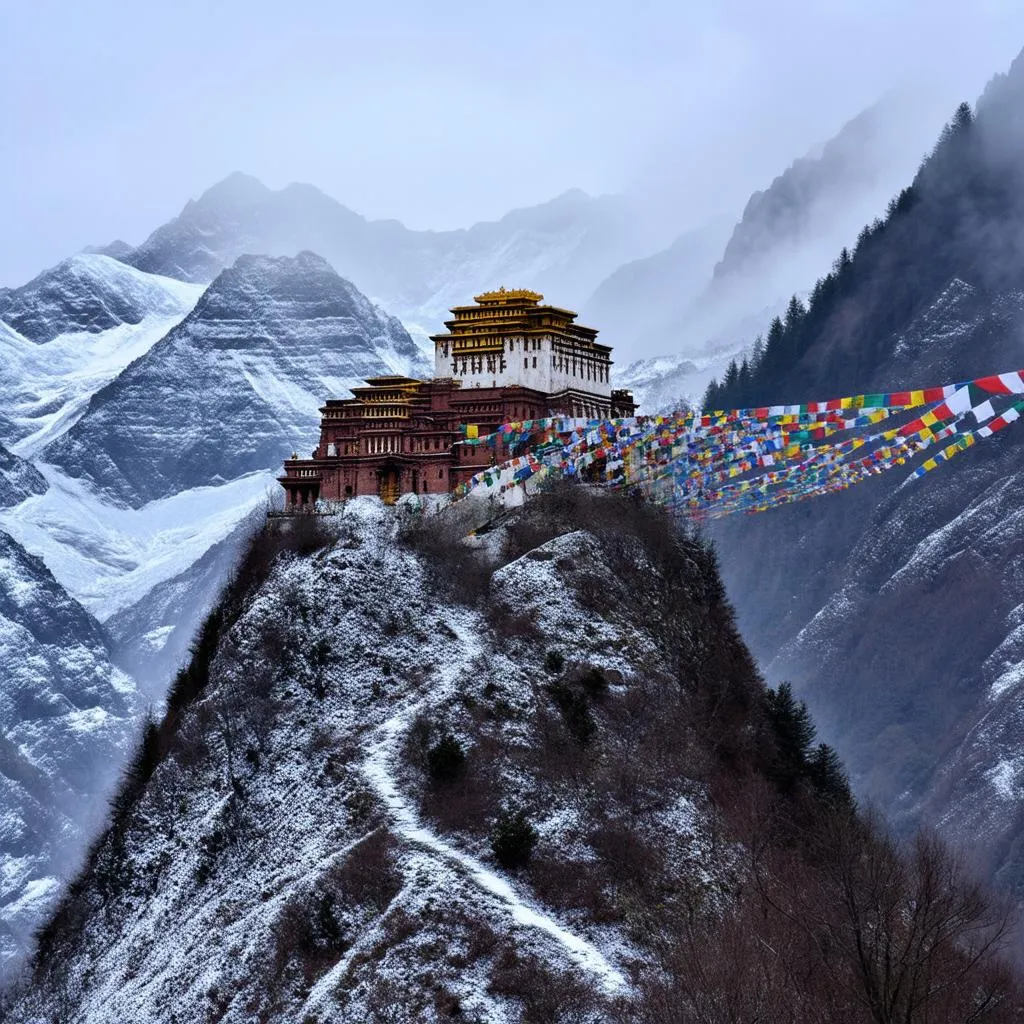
505	295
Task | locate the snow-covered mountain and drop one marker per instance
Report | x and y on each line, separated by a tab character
90	293
563	247
70	331
66	714
709	294
165	431
896	609
405	779
236	385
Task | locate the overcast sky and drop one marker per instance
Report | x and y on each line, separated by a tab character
441	113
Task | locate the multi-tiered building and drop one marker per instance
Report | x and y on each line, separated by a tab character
505	359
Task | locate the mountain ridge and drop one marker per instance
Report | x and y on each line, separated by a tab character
270	340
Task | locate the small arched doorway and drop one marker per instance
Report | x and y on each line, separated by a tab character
388	483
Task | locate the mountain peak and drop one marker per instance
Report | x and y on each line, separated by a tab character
237	384
89	292
237	190
117	248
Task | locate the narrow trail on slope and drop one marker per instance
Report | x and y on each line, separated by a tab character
377	767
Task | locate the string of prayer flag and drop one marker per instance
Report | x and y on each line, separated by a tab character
711	464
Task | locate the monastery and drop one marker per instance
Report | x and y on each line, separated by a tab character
506	358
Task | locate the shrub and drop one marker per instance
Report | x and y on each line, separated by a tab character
594	682
554	662
513	839
446	760
370	875
510	624
575	712
457	571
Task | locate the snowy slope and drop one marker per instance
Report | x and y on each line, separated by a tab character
333	883
91	293
65	714
237	385
109	316
152	637
668	383
109	556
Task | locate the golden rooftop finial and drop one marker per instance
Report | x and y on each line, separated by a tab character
503	295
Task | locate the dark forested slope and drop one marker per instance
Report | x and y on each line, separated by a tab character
896	610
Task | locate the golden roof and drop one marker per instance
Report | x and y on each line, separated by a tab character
505	295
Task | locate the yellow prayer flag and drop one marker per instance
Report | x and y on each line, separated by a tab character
472	430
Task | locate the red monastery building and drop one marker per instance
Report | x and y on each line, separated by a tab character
505	359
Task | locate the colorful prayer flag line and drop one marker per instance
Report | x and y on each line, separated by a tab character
712	464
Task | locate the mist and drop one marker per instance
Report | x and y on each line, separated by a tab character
444	115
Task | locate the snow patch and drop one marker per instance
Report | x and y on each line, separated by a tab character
108	557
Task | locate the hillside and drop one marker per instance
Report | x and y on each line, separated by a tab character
896	611
530	778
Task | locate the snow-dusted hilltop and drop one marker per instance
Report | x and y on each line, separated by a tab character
65	716
236	386
563	247
407	779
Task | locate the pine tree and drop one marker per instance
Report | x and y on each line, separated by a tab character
843	262
795	313
825	771
794	732
712	394
756	354
742	385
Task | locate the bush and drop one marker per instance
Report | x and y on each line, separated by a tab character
446	760
554	662
594	682
457	571
513	839
575	712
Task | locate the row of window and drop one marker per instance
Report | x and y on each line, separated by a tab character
382	446
588	370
